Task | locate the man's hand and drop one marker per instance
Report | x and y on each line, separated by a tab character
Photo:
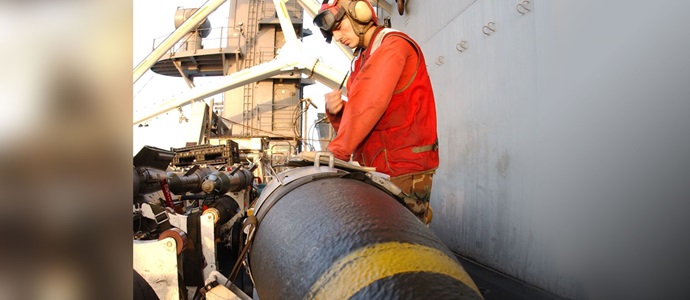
334	102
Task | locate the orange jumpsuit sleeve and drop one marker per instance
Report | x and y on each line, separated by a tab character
369	95
335	118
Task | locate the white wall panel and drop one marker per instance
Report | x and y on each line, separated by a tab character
551	131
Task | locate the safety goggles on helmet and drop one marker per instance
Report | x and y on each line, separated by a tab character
328	19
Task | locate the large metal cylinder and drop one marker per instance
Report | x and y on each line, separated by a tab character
329	237
183	14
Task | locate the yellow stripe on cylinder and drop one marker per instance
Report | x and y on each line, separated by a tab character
380	261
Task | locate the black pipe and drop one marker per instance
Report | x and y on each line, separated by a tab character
226	208
182	183
340	238
209	181
221	182
146	181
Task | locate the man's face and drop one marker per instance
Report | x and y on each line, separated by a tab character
344	34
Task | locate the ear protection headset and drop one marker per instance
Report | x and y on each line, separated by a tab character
362	14
360	11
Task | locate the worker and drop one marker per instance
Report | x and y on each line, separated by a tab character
389	119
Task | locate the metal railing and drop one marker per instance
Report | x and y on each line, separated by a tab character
293	8
267	54
219	38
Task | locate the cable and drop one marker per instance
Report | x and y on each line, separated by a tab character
140	218
315	139
295	116
309	136
257	129
142	88
302	114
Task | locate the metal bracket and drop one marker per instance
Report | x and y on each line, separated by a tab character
489	28
288	176
331	159
440	60
523	5
461	46
208	244
182	117
156	262
178	66
384	181
162	220
237	294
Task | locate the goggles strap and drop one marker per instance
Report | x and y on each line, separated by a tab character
338	16
362	32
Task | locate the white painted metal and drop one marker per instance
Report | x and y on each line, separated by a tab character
159	268
222	280
229	82
156	262
554	131
177	220
221	293
208	244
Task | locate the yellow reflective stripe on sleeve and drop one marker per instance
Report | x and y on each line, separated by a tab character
383	260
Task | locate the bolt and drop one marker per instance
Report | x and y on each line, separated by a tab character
169	244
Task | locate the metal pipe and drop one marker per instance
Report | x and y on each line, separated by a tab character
221	182
147	180
189	25
292	56
229	82
224	209
181	184
329	237
209	181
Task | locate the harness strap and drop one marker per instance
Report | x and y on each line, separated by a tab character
425	148
379	39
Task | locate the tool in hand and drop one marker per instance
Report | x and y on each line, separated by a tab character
343	82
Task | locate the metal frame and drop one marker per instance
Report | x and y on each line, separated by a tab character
291	57
208	244
189	25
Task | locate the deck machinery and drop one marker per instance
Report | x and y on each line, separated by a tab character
321	229
277	223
